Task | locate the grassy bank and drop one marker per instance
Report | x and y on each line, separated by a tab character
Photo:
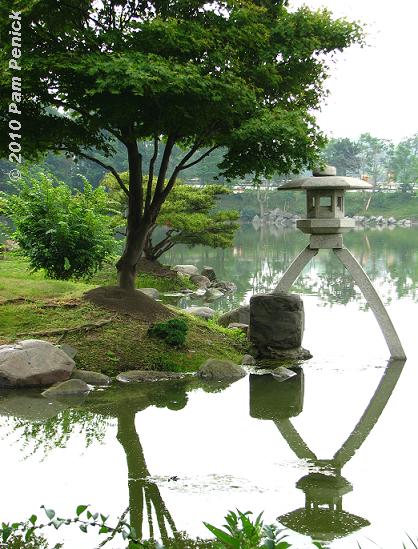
31	306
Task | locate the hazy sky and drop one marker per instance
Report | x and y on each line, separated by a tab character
374	89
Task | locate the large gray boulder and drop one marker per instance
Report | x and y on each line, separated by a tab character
33	362
220	370
240	315
276	324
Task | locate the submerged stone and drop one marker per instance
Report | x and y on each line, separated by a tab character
136	376
67	388
283	374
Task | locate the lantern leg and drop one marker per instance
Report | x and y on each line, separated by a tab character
295	269
374	301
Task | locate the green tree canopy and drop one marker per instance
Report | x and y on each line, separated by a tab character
243	75
404	163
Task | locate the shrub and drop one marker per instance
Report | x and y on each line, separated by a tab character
68	235
173	331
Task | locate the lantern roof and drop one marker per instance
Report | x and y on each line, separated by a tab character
325	179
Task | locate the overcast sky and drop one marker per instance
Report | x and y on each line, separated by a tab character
374	89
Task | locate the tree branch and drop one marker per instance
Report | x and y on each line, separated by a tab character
108	168
151	174
163	170
207	153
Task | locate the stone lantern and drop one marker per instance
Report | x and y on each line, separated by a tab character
325	223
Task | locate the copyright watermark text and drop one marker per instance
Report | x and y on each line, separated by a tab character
15	124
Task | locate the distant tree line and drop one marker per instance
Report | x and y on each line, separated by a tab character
382	161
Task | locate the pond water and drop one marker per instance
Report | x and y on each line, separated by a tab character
338	437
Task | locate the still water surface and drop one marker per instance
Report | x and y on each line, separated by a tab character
339	439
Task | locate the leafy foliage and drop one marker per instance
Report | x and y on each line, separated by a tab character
173	331
188	215
240	532
68	235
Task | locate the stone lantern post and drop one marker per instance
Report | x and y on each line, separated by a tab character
325	223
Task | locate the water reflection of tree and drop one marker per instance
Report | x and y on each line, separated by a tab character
50	424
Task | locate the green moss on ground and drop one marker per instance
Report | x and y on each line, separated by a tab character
41	305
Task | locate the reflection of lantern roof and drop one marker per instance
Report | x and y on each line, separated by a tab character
323	524
325	179
323	518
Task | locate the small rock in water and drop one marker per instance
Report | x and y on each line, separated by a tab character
239	326
67	388
213	293
200	280
136	376
200	292
209	272
282	374
150	292
248	360
92	378
201	312
225	286
220	370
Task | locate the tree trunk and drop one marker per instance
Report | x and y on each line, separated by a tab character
138	223
134	245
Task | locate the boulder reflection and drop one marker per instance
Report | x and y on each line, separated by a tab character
322	517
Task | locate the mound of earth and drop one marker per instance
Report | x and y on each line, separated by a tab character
136	304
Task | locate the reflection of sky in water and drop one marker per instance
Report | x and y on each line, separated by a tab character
226	459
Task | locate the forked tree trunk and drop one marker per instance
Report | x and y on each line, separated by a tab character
134	246
138	223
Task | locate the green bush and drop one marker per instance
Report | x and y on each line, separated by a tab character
173	331
68	235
